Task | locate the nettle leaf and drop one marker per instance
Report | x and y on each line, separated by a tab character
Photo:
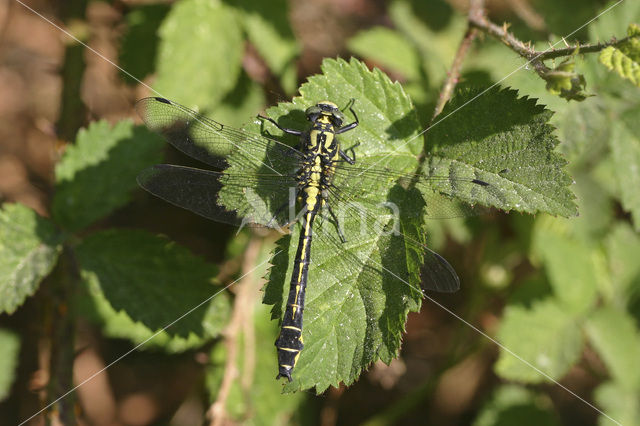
613	334
268	29
546	336
387	48
624	58
505	141
29	249
152	279
200	53
9	352
98	173
625	150
353	316
95	306
139	43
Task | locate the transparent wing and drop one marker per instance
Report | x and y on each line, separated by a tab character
259	199
210	142
441	193
387	227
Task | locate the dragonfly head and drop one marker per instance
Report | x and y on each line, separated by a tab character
325	111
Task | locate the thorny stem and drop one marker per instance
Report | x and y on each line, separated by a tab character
478	22
525	50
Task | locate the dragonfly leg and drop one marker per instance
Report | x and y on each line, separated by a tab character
335	220
284	129
351	160
349	126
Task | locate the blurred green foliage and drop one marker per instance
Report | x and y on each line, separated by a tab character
561	286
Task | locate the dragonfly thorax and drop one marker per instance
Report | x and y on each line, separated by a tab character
325	112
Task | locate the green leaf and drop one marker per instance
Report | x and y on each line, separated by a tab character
511	405
98	173
545	336
571	264
436	48
564	82
241	104
29	249
625	149
620	404
268	29
200	54
506	142
615	337
624	57
93	305
139	43
353	317
387	48
150	278
623	246
9	352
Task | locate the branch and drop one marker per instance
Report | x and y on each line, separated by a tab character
525	50
475	8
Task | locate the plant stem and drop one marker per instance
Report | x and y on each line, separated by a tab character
62	409
242	312
536	58
475	8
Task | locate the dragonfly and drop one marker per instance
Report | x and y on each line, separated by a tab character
261	181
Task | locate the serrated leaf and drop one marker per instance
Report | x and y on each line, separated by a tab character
9	352
545	336
511	404
625	150
569	263
150	278
139	43
98	173
387	48
620	404
29	249
268	29
615	337
200	53
352	317
506	142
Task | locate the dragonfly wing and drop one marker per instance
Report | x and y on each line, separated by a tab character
199	191
211	142
437	274
441	193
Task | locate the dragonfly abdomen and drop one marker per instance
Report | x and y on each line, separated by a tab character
289	342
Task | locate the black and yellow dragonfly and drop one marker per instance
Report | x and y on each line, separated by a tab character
265	182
